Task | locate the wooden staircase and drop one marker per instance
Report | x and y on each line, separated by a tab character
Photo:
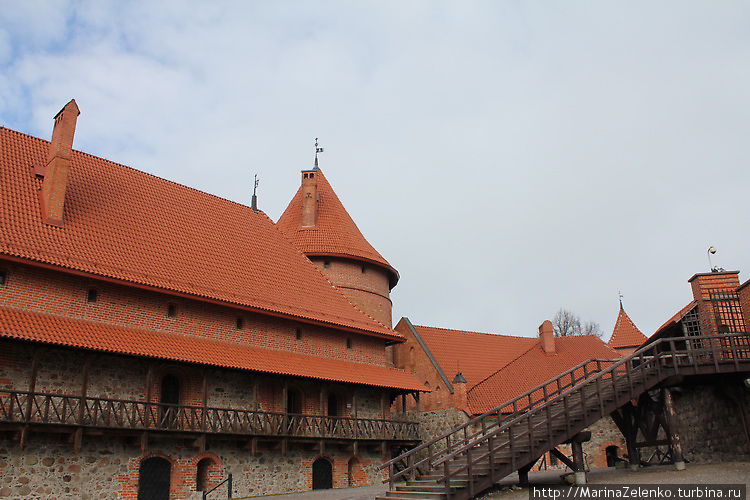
472	457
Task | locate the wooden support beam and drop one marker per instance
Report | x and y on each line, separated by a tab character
578	463
384	449
354	403
144	442
403	404
322	446
284	395
384	404
674	436
355	448
23	437
323	405
149	381
32	380
256	403
561	457
284	447
77	440
416	400
523	473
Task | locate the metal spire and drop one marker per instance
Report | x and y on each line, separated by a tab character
317	150
254	199
621	296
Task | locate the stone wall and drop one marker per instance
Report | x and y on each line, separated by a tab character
108	468
710	421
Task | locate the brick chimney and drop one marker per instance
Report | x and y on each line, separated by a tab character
460	398
723	284
547	335
309	198
57	168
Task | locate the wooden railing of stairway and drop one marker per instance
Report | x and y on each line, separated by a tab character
473	456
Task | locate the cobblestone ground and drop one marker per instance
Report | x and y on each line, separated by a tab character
729	472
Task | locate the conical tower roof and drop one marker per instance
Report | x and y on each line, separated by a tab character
334	234
625	334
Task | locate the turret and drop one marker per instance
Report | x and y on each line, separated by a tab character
317	223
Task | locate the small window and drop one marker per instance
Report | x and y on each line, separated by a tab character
326	264
349	343
240	323
3	278
92	295
298	333
364	268
171	310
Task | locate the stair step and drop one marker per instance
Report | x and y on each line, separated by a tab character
414	494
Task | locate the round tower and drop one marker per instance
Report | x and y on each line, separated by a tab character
317	223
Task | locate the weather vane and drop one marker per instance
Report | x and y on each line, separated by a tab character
254	202
317	151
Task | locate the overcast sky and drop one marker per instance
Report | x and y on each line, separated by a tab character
508	158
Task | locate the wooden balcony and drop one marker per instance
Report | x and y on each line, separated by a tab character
25	408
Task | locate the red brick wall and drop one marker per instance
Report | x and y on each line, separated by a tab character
411	357
744	293
705	284
62	294
367	290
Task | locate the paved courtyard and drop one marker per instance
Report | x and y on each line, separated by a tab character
730	472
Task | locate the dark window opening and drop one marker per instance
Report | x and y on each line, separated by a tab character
326	264
3	277
171	311
348	343
312	175
240	323
298	333
153	479
613	455
333	405
91	295
293	401
364	268
169	399
322	474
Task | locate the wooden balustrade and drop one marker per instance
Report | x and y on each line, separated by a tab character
57	409
527	426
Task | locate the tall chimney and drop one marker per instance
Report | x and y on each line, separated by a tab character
722	286
57	169
547	335
309	198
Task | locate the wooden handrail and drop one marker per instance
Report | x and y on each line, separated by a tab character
553	391
74	410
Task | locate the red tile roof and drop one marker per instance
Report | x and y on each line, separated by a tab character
625	334
474	354
127	225
675	318
334	234
534	367
58	330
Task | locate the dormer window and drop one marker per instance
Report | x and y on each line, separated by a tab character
92	295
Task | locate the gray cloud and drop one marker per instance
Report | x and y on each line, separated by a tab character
509	158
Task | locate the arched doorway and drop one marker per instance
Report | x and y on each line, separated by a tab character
207	474
354	473
333	405
153	479
170	395
613	455
322	474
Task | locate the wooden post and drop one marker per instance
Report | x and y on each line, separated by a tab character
32	382
580	466
323	407
523	475
285	395
205	404
256	403
416	401
403	404
674	436
354	403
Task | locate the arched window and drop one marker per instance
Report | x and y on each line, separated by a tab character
293	401
154	479
333	405
322	474
355	475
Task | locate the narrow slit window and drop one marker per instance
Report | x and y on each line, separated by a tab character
298	333
171	310
348	343
92	295
3	278
364	268
326	264
240	323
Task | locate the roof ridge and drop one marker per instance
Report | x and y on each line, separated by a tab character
122	165
473	332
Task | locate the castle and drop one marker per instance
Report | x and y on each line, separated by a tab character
158	341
